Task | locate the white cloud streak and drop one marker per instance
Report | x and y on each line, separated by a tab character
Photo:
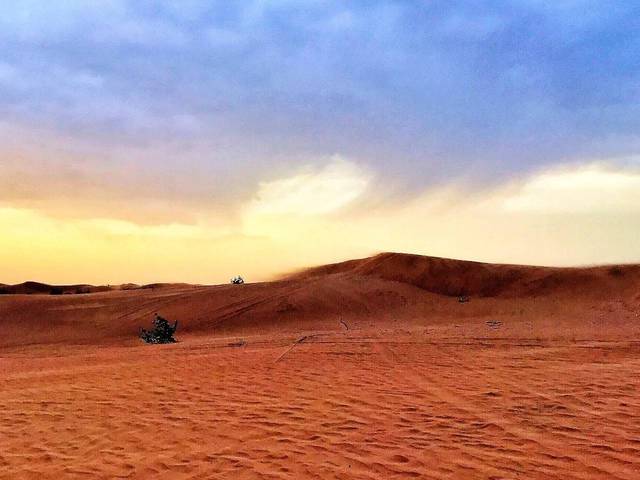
590	189
316	192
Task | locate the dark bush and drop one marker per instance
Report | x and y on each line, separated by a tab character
162	332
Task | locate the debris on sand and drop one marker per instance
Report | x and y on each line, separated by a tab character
240	343
463	298
162	332
297	342
493	323
491	393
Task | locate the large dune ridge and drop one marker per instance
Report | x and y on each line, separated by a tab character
370	368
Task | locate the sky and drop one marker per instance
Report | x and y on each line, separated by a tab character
145	141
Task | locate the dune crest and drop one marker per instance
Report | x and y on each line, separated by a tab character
463	277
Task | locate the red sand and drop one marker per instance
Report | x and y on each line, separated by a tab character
367	369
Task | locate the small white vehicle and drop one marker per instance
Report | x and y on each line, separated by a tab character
237	280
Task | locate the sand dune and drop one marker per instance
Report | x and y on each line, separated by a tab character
364	369
457	277
37	288
376	292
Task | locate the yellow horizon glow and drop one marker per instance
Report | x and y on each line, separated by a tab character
581	215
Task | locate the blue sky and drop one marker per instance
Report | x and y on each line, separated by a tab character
198	103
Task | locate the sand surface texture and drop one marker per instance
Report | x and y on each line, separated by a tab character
368	369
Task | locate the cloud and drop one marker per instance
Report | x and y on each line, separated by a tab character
123	228
316	192
590	189
589	213
441	88
106	22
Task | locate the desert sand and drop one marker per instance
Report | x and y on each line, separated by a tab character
368	369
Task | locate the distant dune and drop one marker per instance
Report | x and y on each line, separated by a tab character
37	288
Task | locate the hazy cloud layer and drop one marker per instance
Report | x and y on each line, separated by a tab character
534	220
422	90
